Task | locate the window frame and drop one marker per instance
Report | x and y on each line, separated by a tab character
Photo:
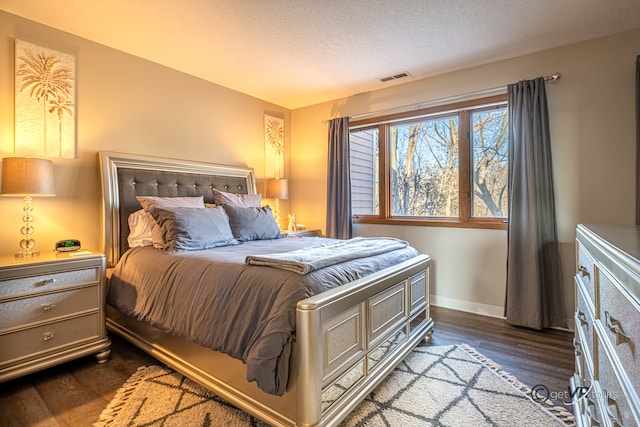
465	175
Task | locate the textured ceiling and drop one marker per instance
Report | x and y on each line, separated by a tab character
296	53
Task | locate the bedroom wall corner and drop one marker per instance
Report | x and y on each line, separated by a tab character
126	104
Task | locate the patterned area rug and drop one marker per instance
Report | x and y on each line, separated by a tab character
433	386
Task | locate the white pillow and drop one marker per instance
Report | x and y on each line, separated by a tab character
140	229
237	200
150	202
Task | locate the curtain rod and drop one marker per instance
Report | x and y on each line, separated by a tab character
469	95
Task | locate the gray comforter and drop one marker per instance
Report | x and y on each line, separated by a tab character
214	298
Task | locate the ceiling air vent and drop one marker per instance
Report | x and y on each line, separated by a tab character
395	77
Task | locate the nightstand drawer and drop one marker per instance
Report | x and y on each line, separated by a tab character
33	342
302	233
48	282
26	311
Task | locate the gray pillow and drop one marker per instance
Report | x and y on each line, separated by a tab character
252	223
238	200
192	229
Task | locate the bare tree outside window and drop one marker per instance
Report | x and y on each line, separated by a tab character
445	165
490	163
424	168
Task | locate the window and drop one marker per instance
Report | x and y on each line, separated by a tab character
443	166
363	152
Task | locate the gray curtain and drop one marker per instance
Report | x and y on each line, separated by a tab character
338	179
534	278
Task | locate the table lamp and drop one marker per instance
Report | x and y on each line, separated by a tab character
277	188
27	177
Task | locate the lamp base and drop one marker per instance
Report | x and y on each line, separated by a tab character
27	254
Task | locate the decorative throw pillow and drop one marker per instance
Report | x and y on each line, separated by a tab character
151	202
252	223
238	200
192	229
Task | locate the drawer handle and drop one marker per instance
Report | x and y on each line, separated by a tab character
577	346
612	402
583	271
589	409
47	306
582	318
47	336
593	421
615	327
46	282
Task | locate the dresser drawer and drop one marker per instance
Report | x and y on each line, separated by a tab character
612	395
593	406
621	320
580	365
33	342
586	271
26	311
584	319
47	282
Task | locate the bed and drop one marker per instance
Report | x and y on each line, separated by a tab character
345	338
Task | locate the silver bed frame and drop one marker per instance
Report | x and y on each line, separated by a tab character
348	339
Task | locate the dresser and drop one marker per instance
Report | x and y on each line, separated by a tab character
606	384
52	310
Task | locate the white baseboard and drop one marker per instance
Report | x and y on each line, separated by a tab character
483	309
468	306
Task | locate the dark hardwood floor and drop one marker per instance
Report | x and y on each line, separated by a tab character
75	393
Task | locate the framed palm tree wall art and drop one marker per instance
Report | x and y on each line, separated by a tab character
45	116
273	146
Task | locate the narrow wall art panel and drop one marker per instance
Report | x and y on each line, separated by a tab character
273	146
45	93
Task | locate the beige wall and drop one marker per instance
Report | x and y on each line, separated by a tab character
130	105
592	116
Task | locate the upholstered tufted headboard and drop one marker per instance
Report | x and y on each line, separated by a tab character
125	176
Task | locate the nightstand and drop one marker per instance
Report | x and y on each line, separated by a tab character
303	233
52	310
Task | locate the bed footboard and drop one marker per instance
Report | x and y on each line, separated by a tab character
352	337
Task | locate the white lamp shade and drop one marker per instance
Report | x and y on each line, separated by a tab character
278	188
22	176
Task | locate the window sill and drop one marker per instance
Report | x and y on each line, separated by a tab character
490	224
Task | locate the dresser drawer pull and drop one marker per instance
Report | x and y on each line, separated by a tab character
614	326
593	421
612	402
583	271
46	282
589	409
582	318
577	346
47	306
47	336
